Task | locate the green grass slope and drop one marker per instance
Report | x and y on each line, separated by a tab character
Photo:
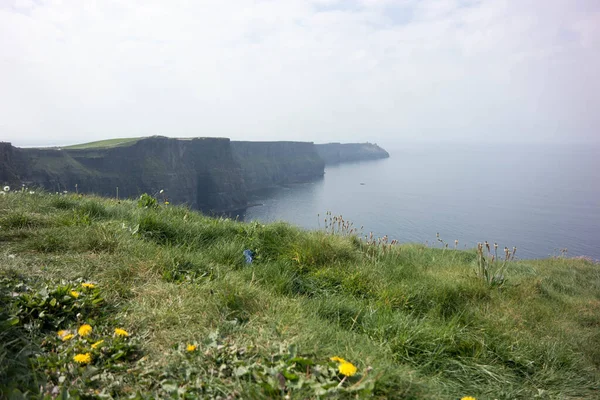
103	144
417	322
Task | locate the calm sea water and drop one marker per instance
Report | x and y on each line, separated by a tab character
538	198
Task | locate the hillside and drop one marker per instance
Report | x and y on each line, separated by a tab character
104	298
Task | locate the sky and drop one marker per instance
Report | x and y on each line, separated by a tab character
384	71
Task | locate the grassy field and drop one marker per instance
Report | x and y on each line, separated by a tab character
103	144
107	299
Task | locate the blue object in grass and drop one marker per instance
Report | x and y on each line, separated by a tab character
248	254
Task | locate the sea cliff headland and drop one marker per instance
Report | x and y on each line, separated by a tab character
208	174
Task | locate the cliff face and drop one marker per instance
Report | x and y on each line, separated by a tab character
10	165
335	153
200	172
268	164
209	174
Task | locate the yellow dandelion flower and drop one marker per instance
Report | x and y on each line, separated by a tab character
62	333
166	203
191	347
347	368
84	330
468	398
121	332
97	344
67	337
74	293
88	285
83	358
338	359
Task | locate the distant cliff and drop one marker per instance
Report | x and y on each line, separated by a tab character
268	164
200	172
335	153
209	174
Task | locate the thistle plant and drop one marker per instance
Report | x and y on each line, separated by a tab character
489	267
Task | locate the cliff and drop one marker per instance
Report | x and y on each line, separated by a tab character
10	165
209	174
335	153
200	172
268	164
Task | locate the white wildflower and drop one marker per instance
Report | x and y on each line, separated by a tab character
7	188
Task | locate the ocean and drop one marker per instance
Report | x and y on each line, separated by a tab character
542	199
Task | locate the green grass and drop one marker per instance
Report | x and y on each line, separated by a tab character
103	144
416	321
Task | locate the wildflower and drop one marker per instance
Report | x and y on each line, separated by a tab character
347	369
62	333
83	358
67	337
468	398
84	330
121	332
2	192
88	285
97	344
166	203
7	188
191	347
338	359
74	293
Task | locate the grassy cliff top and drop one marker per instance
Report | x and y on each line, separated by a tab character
104	144
100	144
108	299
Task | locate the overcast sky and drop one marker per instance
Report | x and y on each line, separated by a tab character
388	71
